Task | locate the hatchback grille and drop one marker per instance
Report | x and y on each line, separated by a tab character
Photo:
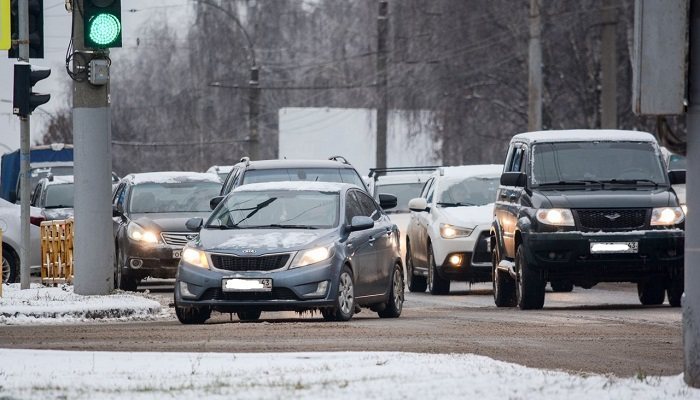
278	293
612	219
175	238
260	263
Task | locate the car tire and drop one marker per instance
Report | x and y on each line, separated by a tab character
192	315
674	291
394	303
562	286
416	284
250	315
436	284
503	284
651	293
530	285
344	306
10	265
124	281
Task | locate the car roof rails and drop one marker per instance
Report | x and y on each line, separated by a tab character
245	160
376	172
339	159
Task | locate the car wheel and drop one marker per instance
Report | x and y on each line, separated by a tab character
561	286
344	306
651	293
124	281
250	315
675	291
394	304
530	285
436	285
10	266
192	315
415	283
503	284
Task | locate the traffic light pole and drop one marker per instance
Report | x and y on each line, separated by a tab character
92	137
24	131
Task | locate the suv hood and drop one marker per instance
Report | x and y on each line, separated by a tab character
468	216
618	198
166	222
236	241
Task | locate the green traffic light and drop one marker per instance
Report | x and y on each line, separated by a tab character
104	29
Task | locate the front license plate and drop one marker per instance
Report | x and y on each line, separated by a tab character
177	253
246	285
614	247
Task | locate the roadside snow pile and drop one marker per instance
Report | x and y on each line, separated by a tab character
58	305
371	375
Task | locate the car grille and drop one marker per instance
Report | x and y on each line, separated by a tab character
275	294
175	238
612	219
481	251
260	263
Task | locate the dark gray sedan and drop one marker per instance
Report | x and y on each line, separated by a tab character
292	246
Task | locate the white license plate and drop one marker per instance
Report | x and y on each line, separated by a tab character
177	253
614	247
246	285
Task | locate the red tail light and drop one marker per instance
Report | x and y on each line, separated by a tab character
36	220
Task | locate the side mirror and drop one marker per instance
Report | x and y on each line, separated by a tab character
194	224
387	201
677	176
418	204
215	201
361	223
517	179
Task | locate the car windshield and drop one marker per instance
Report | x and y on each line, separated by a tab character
341	175
59	196
676	162
404	192
472	191
277	209
36	174
173	197
595	162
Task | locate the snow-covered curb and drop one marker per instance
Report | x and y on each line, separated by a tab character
57	305
37	374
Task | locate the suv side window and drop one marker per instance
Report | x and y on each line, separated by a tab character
35	196
369	207
228	182
516	162
349	175
431	192
118	193
353	208
426	188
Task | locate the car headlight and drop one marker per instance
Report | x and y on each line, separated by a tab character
555	216
448	231
137	233
685	209
663	216
195	257
313	256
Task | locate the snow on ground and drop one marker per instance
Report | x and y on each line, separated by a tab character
37	374
59	305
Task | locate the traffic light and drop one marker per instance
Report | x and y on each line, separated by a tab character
36	28
102	23
25	100
5	31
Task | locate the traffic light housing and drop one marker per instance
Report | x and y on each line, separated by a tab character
5	31
36	28
102	23
25	100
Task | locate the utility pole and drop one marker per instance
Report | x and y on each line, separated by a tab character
608	60
254	112
24	131
382	95
534	112
92	136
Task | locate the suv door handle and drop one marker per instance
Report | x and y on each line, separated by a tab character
371	240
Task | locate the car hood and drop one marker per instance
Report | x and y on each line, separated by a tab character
52	214
468	216
259	241
622	198
166	222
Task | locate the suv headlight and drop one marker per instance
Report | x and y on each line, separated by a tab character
664	216
313	256
137	233
195	257
555	216
448	231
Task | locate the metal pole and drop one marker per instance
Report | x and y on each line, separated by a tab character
254	112
92	137
608	95
382	95
534	113
24	133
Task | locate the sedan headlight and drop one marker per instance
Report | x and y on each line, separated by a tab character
664	216
313	256
195	257
448	231
555	216
137	233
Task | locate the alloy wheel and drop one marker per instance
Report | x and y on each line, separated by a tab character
346	294
5	270
398	289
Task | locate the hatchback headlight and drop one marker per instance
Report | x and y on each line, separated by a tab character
313	256
137	233
448	231
664	216
195	257
555	216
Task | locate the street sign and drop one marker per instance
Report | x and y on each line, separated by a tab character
5	30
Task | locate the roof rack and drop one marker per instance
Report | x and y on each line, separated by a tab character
246	160
375	172
340	159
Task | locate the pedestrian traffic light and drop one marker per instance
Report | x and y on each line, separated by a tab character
36	28
102	23
25	100
5	31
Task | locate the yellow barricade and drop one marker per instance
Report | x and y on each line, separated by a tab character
57	251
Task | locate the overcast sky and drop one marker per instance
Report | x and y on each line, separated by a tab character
56	35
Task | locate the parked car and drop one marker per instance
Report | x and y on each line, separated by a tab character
10	225
220	170
580	207
447	235
54	196
150	211
676	162
292	246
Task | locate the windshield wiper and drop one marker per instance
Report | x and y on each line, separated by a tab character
632	181
572	182
458	204
283	226
255	209
57	206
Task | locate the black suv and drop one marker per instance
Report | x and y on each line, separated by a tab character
586	206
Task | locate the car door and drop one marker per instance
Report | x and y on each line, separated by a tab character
423	220
360	249
381	240
119	202
509	200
